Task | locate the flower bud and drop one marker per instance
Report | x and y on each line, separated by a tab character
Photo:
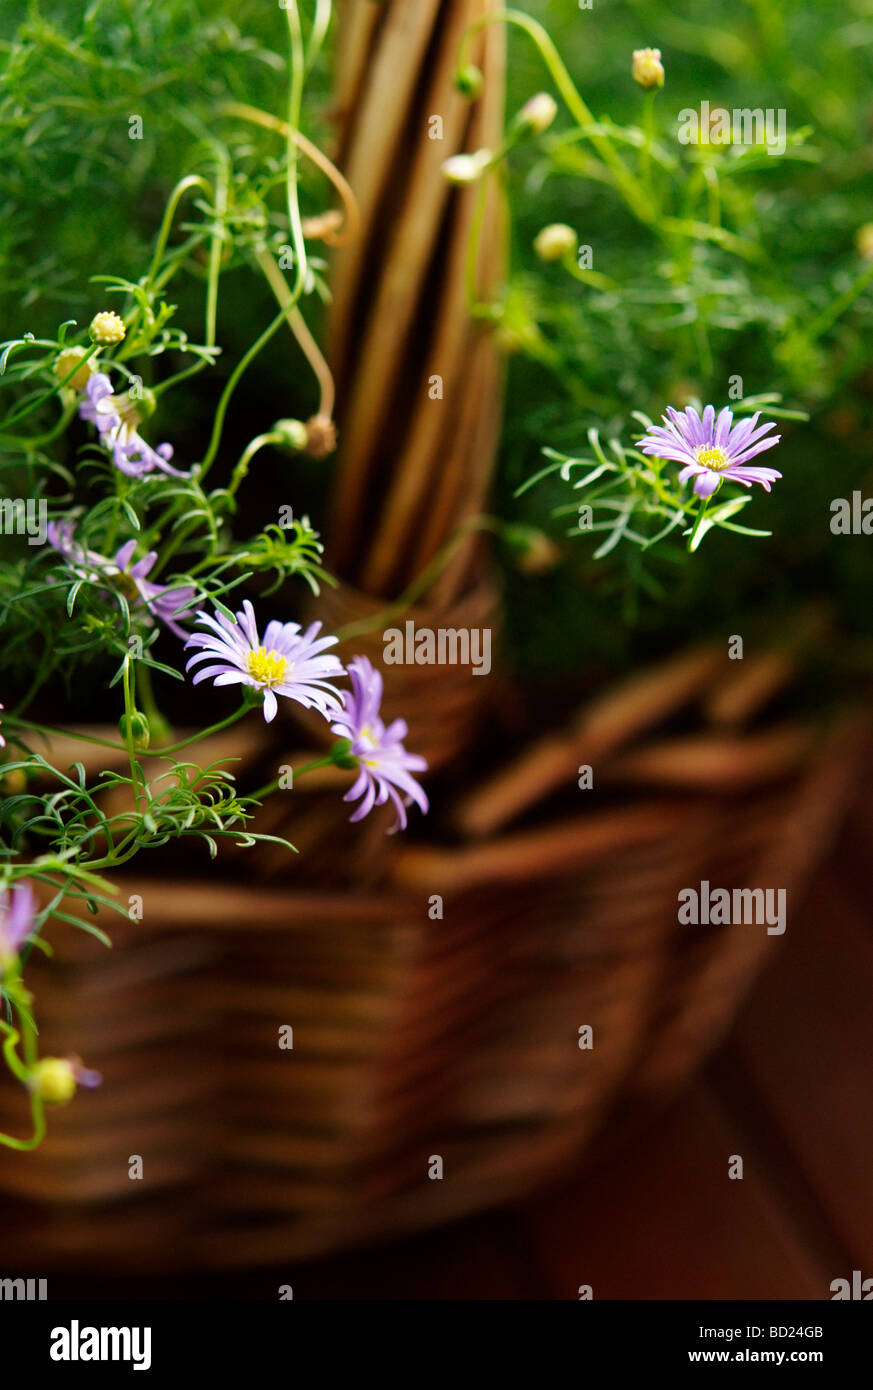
142	400
65	363
55	1079
864	241
647	68
466	168
107	328
138	727
538	113
555	242
469	81
293	435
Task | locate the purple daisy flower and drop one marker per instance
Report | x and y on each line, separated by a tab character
17	911
116	420
712	448
384	763
2	739
162	600
288	662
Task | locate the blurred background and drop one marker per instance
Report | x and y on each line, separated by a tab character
455	1033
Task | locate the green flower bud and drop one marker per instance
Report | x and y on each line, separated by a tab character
469	81
138	727
864	241
54	1079
143	400
293	435
555	242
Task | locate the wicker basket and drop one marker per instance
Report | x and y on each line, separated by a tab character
412	1037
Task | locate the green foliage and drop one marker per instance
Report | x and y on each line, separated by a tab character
709	264
134	184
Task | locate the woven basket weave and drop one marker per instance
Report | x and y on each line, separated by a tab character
412	1037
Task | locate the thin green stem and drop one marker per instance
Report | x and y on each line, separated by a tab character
53	730
22	1072
195	738
242	468
571	96
296	773
51	391
130	711
23	441
178	193
158	725
295	102
232	383
692	539
216	246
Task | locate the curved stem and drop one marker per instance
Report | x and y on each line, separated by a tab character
22	1074
232	383
178	193
313	153
570	95
298	326
318	32
327	761
216	246
242	468
295	102
52	730
23	441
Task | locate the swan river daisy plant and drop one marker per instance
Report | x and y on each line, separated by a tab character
711	448
121	574
638	492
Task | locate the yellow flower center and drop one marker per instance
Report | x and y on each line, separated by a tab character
366	736
266	667
712	458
